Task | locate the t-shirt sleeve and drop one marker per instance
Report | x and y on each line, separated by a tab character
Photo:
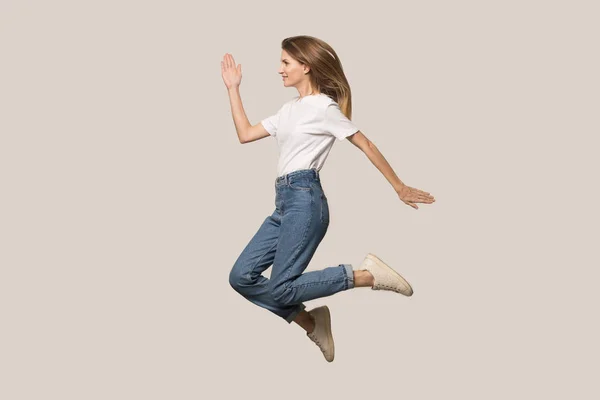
271	123
337	124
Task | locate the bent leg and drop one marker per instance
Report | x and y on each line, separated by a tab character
301	232
258	255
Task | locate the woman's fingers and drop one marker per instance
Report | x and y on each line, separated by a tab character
416	196
225	62
426	196
410	196
424	199
232	76
422	192
229	64
229	61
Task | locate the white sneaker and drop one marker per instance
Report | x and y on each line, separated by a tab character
385	277
321	335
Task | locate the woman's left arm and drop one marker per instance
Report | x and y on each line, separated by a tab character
407	194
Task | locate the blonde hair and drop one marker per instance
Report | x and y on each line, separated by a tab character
326	72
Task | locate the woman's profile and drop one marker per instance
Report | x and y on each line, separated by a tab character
306	128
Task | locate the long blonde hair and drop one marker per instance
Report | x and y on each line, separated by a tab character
326	72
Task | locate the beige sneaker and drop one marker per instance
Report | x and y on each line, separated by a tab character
385	277
321	335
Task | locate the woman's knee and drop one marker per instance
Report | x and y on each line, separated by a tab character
239	279
236	278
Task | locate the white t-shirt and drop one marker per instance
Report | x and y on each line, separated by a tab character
306	129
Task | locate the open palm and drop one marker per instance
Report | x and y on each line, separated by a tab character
232	75
410	196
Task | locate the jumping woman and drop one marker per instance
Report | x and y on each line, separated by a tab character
306	128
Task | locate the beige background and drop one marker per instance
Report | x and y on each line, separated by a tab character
126	198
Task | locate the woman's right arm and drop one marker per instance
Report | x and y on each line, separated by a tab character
232	77
242	124
246	132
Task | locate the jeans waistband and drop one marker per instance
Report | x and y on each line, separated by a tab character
301	173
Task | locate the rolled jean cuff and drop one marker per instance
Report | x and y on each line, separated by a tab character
350	274
290	318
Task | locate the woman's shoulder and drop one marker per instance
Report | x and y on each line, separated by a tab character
324	98
319	98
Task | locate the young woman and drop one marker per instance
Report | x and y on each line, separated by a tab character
306	128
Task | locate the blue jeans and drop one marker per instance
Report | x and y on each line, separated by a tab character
287	239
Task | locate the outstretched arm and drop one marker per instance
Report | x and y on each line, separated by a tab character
406	193
242	124
232	77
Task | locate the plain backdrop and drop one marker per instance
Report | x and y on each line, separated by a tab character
126	198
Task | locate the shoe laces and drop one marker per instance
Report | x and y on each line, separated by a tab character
314	339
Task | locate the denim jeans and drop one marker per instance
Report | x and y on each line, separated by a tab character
287	240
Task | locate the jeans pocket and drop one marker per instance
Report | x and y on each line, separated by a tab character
324	209
300	185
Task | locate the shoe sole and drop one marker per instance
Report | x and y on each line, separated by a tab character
379	262
329	334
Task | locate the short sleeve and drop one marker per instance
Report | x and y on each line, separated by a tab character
271	123
337	124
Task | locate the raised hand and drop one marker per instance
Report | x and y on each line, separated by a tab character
410	195
232	75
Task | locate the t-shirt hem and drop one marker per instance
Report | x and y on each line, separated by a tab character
268	128
344	136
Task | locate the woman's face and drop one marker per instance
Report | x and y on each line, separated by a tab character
292	71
